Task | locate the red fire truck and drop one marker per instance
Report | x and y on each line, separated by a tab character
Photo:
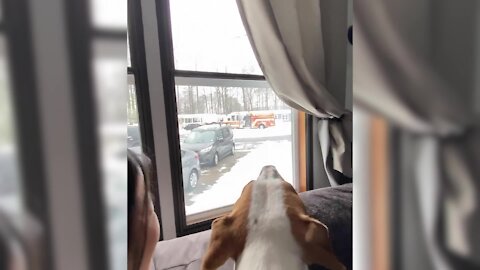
253	119
260	119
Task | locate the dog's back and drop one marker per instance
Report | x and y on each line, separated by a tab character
268	229
270	243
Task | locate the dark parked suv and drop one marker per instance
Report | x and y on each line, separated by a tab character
190	159
211	142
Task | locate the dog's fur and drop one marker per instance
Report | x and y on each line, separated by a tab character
268	228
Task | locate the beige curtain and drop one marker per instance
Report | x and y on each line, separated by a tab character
414	63
289	42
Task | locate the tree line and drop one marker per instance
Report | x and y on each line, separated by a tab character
214	100
224	100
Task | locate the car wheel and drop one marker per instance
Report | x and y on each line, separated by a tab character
215	160
262	126
193	179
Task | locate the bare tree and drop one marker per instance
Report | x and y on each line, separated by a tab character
266	98
249	93
196	100
190	103
244	97
211	103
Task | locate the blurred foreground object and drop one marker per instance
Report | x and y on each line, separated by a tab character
21	239
417	64
62	132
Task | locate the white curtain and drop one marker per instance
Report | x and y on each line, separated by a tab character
290	40
414	63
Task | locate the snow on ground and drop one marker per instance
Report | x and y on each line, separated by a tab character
229	186
280	129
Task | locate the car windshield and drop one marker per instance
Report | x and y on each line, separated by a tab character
200	136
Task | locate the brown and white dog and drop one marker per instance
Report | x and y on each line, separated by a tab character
268	228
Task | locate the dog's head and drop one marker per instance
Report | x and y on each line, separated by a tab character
230	232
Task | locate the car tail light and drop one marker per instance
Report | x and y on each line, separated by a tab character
196	156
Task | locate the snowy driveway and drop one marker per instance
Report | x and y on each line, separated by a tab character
221	185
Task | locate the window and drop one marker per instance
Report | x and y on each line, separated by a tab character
23	182
109	15
208	35
109	66
10	182
111	92
217	88
139	119
134	140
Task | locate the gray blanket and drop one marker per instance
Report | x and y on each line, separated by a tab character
333	207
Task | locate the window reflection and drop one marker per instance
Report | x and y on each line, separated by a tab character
10	184
111	95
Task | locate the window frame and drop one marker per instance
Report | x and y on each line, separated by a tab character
16	25
138	69
188	225
168	77
309	141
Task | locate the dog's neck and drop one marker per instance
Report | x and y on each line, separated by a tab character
270	243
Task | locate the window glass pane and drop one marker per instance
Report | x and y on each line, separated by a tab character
109	14
208	35
10	186
134	140
129	60
111	95
216	168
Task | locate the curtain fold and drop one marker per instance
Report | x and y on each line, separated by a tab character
334	135
394	77
288	42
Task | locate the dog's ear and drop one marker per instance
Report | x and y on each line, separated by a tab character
317	233
313	237
318	248
220	246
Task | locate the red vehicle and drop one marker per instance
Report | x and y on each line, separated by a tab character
256	119
261	120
